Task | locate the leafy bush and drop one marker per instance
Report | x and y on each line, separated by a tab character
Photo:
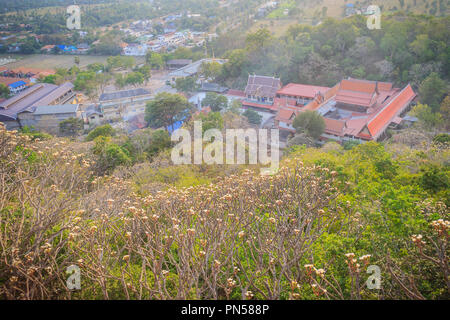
252	116
34	134
109	155
443	138
102	131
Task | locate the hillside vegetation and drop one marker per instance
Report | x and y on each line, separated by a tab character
310	231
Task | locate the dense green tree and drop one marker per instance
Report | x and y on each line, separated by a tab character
167	109
186	84
109	155
236	107
252	116
445	109
433	178
216	101
432	90
160	140
102	131
155	60
53	79
4	91
309	122
120	62
236	61
426	116
134	78
211	70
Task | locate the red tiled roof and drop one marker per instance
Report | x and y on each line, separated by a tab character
236	93
361	92
285	115
354	97
328	95
301	90
335	127
381	120
358	85
259	105
384	86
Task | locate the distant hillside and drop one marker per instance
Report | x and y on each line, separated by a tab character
291	12
9	6
336	8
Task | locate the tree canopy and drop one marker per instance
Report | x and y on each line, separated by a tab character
217	102
167	109
309	122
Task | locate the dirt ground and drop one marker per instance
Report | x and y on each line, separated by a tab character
156	84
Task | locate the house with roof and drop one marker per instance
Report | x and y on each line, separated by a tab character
260	93
82	48
15	85
361	110
285	118
262	89
233	94
42	94
124	104
301	93
93	115
47	118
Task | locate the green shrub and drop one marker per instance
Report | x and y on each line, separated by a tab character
34	134
443	138
102	131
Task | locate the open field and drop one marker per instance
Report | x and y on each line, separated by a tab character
43	61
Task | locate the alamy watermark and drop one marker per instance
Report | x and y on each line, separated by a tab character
374	19
74	19
238	144
74	280
374	280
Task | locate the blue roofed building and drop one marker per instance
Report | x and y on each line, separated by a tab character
17	87
14	84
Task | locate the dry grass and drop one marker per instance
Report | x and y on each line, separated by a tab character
277	27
